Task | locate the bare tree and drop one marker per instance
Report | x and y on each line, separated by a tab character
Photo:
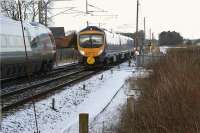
9	8
30	9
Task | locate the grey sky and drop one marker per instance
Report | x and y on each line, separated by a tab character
180	15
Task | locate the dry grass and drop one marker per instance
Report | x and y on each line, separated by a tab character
170	96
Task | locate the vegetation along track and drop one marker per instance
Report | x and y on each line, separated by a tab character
18	97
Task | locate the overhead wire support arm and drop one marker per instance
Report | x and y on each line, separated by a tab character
59	7
99	9
62	0
46	4
62	12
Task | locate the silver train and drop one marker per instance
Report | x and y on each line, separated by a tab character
39	43
99	46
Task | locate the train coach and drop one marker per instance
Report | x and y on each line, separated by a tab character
39	45
99	46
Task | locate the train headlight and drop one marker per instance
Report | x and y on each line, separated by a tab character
100	51
82	52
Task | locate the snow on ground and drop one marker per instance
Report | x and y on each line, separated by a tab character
163	49
108	120
111	115
69	103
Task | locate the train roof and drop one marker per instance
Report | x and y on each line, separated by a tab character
105	31
6	19
13	27
92	28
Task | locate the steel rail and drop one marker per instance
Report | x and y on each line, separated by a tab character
73	78
18	80
19	90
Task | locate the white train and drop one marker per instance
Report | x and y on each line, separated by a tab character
39	43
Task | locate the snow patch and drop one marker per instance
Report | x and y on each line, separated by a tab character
69	103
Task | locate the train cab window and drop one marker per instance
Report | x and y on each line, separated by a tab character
45	40
85	41
91	41
34	43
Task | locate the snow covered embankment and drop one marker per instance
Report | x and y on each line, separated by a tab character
69	103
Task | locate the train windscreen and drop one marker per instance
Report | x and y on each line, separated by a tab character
91	41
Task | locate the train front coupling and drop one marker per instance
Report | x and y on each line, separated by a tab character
90	60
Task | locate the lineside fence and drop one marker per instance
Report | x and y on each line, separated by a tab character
146	59
66	55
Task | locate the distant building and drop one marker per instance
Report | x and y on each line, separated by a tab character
58	31
64	40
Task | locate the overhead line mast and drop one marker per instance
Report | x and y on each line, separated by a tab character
86	7
136	37
144	41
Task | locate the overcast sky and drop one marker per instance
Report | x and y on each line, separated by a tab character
161	15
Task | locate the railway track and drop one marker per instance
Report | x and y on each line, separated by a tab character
11	98
20	96
9	82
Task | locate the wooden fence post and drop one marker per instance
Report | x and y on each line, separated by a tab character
130	104
83	122
53	104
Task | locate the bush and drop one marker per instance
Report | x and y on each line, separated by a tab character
170	96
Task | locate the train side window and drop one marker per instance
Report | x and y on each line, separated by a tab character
3	41
19	41
12	41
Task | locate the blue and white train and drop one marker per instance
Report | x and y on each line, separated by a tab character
39	43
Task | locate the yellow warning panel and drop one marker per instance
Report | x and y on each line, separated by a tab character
90	60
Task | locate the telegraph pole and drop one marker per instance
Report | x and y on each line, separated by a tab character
141	50
40	11
136	41
144	28
86	11
86	7
150	34
45	15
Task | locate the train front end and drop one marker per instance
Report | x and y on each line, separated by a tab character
91	45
